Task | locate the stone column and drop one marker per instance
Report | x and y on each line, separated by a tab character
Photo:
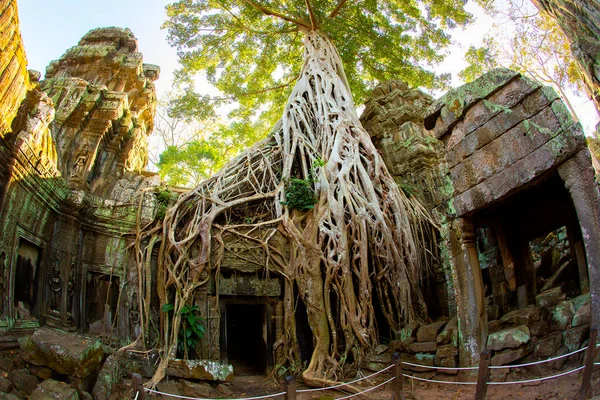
578	175
470	296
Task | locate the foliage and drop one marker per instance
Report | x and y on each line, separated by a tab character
191	330
164	198
299	194
254	59
524	41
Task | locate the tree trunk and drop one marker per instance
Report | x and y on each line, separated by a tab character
580	22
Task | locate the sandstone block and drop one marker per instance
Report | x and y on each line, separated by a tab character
419	358
526	316
408	334
508	338
449	362
548	345
550	297
23	380
6	385
508	356
196	389
562	315
200	370
65	353
446	351
582	316
428	333
574	337
449	334
494	326
423	347
54	390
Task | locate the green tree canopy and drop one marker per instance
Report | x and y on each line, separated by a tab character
254	59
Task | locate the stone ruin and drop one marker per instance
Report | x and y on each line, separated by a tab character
499	162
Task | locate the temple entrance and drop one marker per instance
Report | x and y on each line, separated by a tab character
530	248
27	281
244	339
101	301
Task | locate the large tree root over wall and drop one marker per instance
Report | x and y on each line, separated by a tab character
362	242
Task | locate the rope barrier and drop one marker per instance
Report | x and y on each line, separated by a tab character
136	395
433	367
538	379
437	381
365	391
346	383
539	362
196	398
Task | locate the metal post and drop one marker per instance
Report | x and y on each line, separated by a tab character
585	390
483	376
397	382
138	390
290	388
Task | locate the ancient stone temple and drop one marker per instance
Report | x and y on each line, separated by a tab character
498	162
73	152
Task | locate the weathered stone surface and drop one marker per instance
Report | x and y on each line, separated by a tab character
423	347
526	316
54	390
8	396
550	297
40	372
494	326
447	362
108	377
224	390
200	370
449	334
65	353
6	385
23	380
582	316
562	315
420	359
508	338
196	389
446	351
408	334
14	79
548	345
508	356
574	337
428	333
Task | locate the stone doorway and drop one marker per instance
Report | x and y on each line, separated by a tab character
101	302
26	281
245	341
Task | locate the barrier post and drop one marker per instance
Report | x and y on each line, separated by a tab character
585	388
136	379
483	376
290	388
397	382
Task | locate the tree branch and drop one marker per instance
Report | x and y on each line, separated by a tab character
313	20
268	11
337	9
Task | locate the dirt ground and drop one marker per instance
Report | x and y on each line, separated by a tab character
556	389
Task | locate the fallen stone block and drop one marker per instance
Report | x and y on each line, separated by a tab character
574	337
550	297
508	338
449	334
562	315
54	390
200	370
508	356
547	346
446	351
23	380
65	353
582	316
423	347
428	333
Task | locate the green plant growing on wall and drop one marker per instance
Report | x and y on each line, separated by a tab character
191	329
164	197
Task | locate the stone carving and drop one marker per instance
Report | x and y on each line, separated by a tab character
55	285
105	101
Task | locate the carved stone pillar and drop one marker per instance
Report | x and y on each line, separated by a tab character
578	175
470	296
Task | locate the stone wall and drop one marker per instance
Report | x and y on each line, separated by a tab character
14	79
71	173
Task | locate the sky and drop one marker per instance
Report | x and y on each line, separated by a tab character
50	27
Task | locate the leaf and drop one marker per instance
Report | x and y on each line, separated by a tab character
168	307
184	310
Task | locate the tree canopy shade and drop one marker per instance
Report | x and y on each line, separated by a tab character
252	50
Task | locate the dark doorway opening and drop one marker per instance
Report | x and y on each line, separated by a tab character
27	280
246	338
304	334
101	298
